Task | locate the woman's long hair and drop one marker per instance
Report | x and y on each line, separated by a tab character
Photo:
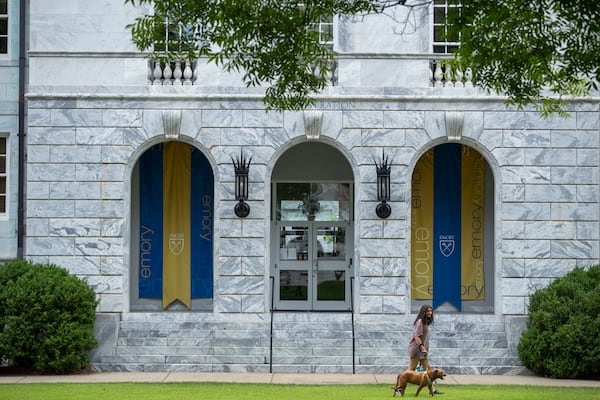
423	315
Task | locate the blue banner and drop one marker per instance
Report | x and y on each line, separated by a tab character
202	227
151	228
447	225
151	244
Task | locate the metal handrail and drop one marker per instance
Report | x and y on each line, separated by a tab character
352	316
271	333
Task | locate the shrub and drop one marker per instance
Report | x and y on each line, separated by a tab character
46	317
562	339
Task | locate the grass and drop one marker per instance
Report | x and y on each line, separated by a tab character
221	391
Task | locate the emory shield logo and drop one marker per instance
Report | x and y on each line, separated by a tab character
176	244
447	246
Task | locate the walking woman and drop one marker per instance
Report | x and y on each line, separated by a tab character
418	347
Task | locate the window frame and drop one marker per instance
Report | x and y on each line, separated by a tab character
326	29
5	16
167	34
6	156
444	44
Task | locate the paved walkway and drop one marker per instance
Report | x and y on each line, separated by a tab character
287	379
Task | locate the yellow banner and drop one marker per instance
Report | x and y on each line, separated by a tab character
176	223
473	189
422	228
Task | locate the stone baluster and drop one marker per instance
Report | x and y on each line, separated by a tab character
167	74
469	78
448	76
177	73
188	74
438	75
157	73
459	78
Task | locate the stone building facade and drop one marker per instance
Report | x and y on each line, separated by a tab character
288	289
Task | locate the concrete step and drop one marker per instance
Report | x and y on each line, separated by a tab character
312	342
303	343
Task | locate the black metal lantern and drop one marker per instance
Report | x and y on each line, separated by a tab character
241	166
383	209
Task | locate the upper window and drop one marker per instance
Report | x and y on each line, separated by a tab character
172	36
325	29
3	174
301	201
3	26
443	11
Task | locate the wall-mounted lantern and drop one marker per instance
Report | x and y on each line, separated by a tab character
241	166
384	166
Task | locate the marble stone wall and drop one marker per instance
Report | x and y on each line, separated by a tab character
81	153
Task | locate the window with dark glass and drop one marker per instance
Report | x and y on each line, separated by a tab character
172	36
3	174
443	11
325	29
3	26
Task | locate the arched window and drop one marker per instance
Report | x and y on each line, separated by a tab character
172	229
452	260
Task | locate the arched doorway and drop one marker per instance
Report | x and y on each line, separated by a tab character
452	230
172	229
312	229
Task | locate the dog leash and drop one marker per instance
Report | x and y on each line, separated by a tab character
426	376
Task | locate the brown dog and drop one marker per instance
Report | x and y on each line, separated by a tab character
422	379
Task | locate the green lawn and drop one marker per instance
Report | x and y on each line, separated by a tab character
218	391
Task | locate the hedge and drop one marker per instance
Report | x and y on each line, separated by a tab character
46	317
562	339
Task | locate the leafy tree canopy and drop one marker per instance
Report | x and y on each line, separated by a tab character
534	51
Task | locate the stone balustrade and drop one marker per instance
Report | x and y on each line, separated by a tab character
441	74
182	72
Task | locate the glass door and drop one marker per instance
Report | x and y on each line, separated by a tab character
293	271
332	267
313	247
